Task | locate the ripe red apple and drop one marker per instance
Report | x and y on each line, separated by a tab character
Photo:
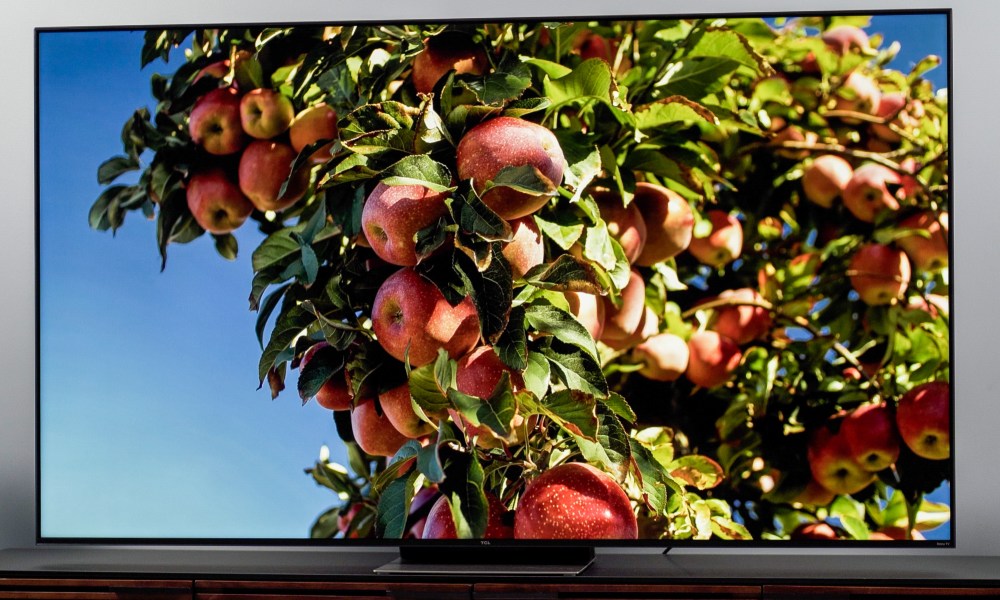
712	359
879	274
574	501
664	357
264	166
318	122
398	408
649	325
335	394
793	133
867	193
589	44
825	178
501	142
589	310
723	245
621	322
440	524
891	108
446	52
668	219
479	372
410	312
814	531
894	532
216	202
871	435
924	419
858	93
373	432
928	253
743	323
214	123
833	465
265	113
527	249
392	216
842	39
421	503
814	494
625	223
345	518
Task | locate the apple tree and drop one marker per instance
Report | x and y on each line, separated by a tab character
699	264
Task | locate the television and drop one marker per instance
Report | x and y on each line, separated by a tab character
241	458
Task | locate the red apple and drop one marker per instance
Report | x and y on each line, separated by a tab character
373	432
214	123
392	216
649	325
318	122
814	531
746	321
814	494
664	357
527	249
440	524
445	52
398	408
928	253
833	465
621	322
825	178
845	38
723	245
216	202
894	532
625	223
265	113
594	45
479	372
891	108
793	133
501	142
712	359
421	503
924	419
264	167
409	312
867	193
335	394
871	435
574	501
668	219
588	310
858	93
879	274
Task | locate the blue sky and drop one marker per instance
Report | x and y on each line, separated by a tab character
151	423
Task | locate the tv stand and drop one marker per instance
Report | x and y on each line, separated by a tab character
103	573
490	560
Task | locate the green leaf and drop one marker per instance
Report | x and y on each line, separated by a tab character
526	106
855	527
310	263
728	529
565	274
576	370
696	470
564	235
552	69
590	80
524	178
537	375
618	405
287	327
98	216
463	485
726	43
265	309
512	346
496	412
226	245
326	525
399	465
574	410
671	111
651	477
475	218
278	249
612	448
492	291
394	507
115	166
419	169
697	77
324	364
429	384
501	86
546	318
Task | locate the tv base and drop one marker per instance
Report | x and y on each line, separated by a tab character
519	562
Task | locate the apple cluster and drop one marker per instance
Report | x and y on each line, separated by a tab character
260	128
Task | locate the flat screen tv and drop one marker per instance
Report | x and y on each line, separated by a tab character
642	281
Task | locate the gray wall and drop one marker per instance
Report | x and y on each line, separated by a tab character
975	215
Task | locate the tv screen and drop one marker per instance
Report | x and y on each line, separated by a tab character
645	281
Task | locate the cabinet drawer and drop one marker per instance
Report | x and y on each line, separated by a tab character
94	589
789	592
315	590
512	591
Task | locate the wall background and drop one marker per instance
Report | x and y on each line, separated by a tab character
975	214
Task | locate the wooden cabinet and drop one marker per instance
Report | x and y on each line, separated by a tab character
309	590
790	592
512	591
94	589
